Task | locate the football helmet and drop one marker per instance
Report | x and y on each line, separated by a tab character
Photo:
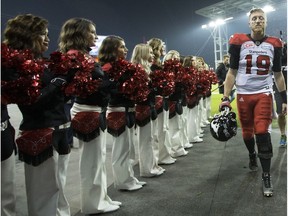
223	126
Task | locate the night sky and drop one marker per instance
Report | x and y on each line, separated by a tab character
175	22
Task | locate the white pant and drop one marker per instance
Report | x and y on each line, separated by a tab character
204	117
192	123
208	107
63	205
134	157
184	130
42	187
175	129
8	190
121	165
148	162
93	176
198	118
163	141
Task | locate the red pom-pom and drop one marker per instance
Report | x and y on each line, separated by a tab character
135	84
191	81
25	89
82	84
11	58
185	77
61	64
163	82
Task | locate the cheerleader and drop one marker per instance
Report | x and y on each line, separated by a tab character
88	116
120	111
145	114
175	108
46	163
161	132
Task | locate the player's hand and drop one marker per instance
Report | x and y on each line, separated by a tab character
225	103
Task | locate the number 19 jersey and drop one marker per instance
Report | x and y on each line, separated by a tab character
255	61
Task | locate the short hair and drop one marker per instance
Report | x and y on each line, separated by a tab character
226	56
23	31
253	10
108	51
74	35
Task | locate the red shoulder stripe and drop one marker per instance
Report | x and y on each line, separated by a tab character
238	39
276	42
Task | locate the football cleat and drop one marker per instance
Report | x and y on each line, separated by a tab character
267	185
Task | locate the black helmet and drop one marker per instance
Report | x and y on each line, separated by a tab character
223	126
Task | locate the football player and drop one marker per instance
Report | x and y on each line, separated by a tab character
253	59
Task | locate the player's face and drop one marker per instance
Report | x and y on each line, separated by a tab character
258	22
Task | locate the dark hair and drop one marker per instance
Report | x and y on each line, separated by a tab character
108	51
74	35
187	62
23	31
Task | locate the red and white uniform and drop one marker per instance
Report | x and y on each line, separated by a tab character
255	61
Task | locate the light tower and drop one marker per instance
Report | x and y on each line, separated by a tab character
220	38
231	8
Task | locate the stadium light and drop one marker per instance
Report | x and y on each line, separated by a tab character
219	33
216	23
268	8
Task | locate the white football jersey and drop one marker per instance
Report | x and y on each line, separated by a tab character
255	63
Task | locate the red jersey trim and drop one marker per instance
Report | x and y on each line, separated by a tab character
238	39
276	42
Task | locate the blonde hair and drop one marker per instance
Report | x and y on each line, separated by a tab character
172	54
254	10
200	60
140	55
156	45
